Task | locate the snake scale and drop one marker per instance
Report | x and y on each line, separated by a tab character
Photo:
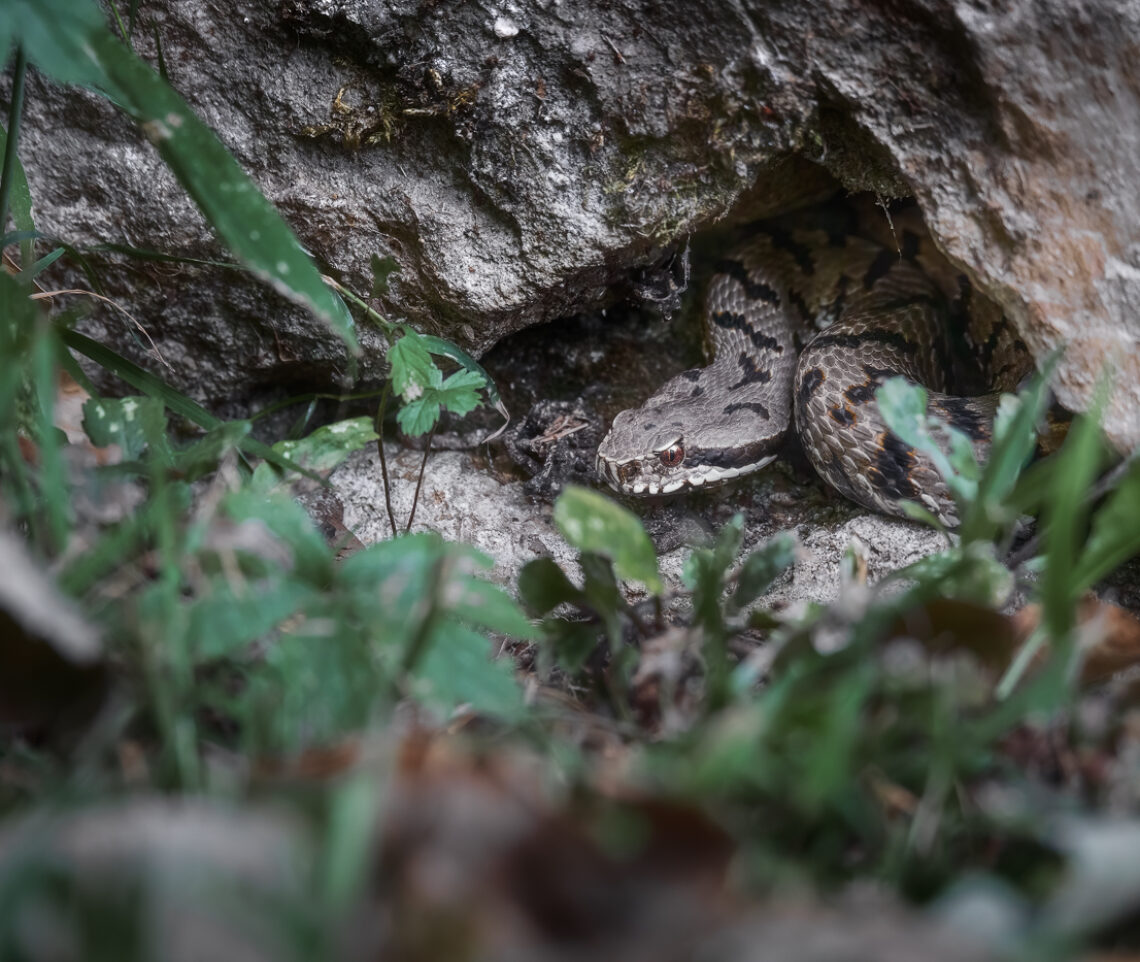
807	319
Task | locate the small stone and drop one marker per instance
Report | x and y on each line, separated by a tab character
505	28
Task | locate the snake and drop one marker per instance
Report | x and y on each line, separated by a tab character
806	319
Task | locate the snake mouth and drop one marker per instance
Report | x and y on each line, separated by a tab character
630	477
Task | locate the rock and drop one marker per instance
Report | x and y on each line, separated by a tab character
517	160
1017	127
464	502
513	165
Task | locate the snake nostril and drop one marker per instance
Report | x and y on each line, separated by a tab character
627	472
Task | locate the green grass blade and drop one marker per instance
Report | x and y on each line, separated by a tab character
19	198
1115	535
1068	509
73	252
54	490
1014	440
147	254
45	262
15	197
18	487
123	32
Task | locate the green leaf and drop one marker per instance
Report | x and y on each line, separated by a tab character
420	383
442	348
178	402
19	197
903	406
716	559
968	572
53	485
419	416
592	522
413	370
600	590
226	619
45	262
347	844
311	557
704	572
1014	440
457	669
602	595
460	392
1066	515
321	451
485	605
543	586
916	512
69	42
53	33
961	456
203	456
762	567
121	421
832	750
571	642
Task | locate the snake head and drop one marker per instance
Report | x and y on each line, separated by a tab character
636	457
668	445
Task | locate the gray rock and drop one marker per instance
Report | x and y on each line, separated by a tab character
516	159
464	502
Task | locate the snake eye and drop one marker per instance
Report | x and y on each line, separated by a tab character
672	455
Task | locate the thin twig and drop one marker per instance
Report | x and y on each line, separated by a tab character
383	459
879	202
420	479
613	47
41	294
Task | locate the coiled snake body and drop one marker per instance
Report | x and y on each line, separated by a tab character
859	299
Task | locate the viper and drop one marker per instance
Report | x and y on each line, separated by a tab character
806	320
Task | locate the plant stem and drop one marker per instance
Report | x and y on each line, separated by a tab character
383	459
420	479
119	23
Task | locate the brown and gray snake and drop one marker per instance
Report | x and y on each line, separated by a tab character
807	319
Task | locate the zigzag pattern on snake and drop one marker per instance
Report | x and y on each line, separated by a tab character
806	321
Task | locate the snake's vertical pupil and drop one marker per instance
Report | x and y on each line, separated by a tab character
672	456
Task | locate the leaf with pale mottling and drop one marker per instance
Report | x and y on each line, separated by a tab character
413	370
592	522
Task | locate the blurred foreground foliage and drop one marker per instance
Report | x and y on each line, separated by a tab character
202	637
